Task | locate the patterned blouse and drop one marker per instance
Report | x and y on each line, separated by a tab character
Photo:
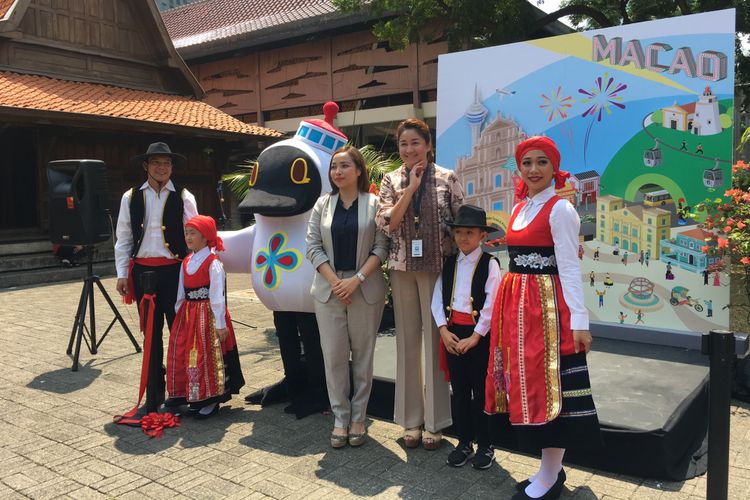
442	196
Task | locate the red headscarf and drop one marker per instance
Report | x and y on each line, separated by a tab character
207	227
549	148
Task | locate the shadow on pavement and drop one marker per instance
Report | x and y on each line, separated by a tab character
64	381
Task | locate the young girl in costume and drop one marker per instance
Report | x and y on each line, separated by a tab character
540	327
203	367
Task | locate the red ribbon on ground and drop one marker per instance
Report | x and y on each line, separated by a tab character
153	423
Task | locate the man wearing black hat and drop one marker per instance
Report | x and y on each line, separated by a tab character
150	237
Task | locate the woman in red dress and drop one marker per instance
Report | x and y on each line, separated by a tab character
203	366
539	337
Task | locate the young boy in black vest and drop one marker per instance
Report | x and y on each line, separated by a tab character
462	307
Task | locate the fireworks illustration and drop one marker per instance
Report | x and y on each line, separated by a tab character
602	96
556	104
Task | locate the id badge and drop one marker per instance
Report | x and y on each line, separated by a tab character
416	248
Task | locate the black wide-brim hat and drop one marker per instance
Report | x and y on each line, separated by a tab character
471	216
159	149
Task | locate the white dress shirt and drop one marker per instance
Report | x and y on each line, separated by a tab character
153	239
465	265
565	225
215	289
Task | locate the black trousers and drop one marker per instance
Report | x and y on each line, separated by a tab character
167	281
468	372
305	380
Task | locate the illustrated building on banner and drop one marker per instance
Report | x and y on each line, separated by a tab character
632	228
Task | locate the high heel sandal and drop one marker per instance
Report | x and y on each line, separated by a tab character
412	437
432	440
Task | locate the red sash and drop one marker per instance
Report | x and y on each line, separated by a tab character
457	318
154	423
129	298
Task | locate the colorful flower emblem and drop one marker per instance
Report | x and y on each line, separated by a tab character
274	259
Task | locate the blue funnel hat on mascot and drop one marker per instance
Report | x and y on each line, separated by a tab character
290	175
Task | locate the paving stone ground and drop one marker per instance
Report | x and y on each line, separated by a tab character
57	439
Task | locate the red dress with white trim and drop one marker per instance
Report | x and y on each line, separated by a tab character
197	360
533	373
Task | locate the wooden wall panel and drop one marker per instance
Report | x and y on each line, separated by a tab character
295	76
428	56
364	67
102	25
230	84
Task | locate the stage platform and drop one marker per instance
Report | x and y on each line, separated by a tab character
652	402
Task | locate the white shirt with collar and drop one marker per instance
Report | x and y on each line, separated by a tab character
153	240
462	291
215	289
565	225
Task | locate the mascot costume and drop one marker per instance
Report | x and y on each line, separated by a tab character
289	177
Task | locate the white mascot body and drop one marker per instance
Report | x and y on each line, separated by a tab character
288	179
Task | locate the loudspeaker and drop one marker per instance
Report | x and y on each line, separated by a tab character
78	213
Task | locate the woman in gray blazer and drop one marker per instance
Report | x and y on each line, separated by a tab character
349	289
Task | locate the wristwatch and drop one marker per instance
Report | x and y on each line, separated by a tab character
360	276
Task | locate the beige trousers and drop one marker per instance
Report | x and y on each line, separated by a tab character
422	395
348	330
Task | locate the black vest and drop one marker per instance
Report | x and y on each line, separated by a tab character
171	224
478	282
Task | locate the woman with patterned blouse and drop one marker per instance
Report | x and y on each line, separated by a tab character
416	203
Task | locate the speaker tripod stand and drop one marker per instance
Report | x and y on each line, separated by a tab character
88	333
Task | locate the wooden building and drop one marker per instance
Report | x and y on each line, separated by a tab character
272	62
101	79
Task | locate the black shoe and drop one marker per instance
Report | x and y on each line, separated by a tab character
484	457
175	402
523	484
461	455
203	416
552	494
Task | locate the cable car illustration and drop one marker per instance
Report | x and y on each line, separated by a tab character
652	156
714	177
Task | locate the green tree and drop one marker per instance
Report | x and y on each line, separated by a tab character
470	24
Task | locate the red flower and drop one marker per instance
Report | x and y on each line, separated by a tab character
723	243
705	249
745	260
741	225
374	189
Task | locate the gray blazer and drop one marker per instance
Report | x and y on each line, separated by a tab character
369	240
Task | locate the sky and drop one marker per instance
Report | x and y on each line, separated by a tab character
553	5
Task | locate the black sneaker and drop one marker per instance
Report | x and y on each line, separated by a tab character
484	458
460	455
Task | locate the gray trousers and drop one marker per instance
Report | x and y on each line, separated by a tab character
422	395
348	330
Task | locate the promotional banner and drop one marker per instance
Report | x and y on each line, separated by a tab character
643	117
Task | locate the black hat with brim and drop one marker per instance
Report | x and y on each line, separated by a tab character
471	216
159	149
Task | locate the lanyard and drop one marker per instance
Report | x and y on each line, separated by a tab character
416	201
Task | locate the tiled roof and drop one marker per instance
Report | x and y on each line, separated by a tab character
697	234
210	20
588	174
5	6
48	94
